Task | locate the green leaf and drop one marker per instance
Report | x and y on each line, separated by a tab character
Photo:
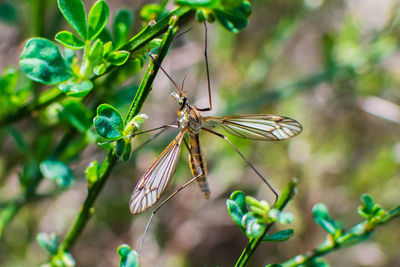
92	172
108	122
57	171
120	147
122	26
118	57
8	81
75	113
368	202
274	265
77	88
254	227
96	52
279	236
128	257
97	19
74	12
41	61
127	151
135	123
237	207
150	12
69	40
322	218
107	48
232	15
99	69
105	36
49	242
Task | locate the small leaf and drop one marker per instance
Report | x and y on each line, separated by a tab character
118	57
41	61
237	207
122	26
279	236
127	151
69	40
97	19
76	114
150	12
254	227
274	265
368	202
322	218
135	124
108	122
96	51
74	12
120	146
57	171
77	88
128	257
107	48
92	173
99	69
49	242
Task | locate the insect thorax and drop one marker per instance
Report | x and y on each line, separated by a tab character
191	119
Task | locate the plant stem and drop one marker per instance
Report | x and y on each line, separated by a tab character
136	42
253	243
347	239
111	159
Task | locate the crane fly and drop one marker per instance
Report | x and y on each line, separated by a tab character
257	127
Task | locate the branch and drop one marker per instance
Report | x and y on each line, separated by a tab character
108	164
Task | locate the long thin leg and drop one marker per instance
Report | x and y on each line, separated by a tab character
207	70
244	158
147	131
168	76
172	195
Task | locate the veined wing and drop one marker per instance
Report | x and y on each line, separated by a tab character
155	180
258	127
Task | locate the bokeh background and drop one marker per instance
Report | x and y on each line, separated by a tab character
332	65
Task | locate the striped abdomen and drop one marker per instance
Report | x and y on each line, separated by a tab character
202	164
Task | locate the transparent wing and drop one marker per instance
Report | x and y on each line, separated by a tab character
155	180
258	127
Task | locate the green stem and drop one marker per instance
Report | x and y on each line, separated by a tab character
111	159
138	41
347	239
253	243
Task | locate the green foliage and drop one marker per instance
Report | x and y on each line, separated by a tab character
49	242
57	171
41	61
231	14
254	221
109	124
97	19
122	26
92	173
74	12
69	40
128	257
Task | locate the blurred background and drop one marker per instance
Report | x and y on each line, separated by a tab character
332	65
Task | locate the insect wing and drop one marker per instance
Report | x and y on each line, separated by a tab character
155	180
258	127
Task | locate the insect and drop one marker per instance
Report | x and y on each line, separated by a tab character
257	127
